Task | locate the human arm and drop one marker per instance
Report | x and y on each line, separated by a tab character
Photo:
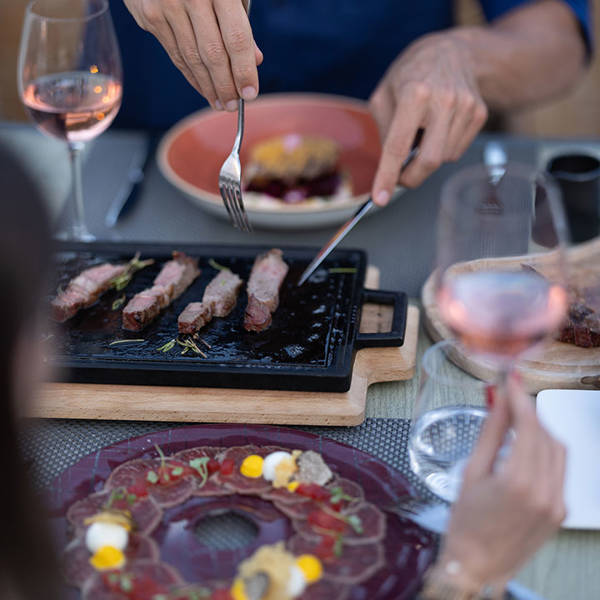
505	513
209	41
446	82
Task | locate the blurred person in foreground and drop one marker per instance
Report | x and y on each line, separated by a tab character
416	68
502	516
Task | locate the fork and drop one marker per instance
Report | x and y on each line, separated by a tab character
230	176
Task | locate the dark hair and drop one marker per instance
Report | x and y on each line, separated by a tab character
28	560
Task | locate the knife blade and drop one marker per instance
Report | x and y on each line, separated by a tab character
130	189
349	225
435	517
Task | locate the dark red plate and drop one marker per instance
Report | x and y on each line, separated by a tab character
409	550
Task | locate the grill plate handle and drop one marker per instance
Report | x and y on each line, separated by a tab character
395	337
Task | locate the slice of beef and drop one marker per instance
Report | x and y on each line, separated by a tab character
194	317
582	326
164	494
173	279
160	573
222	292
372	526
355	565
76	557
240	483
267	275
177	274
145	513
212	487
84	290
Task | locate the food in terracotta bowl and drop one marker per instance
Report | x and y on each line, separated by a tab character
308	160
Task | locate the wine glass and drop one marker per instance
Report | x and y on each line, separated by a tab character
70	81
499	289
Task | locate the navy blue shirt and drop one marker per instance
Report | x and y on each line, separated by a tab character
328	46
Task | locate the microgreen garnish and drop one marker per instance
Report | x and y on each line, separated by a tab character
134	265
131	498
189	344
334	270
131	341
355	522
126	582
215	265
199	464
168	346
338	546
177	471
116	494
338	494
152	477
119	302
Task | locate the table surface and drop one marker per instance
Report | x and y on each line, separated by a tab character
566	567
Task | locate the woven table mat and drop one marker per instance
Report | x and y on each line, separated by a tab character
51	446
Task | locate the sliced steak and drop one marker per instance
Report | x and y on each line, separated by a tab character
222	292
267	275
582	326
173	279
84	290
194	317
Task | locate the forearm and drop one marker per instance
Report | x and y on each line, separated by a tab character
532	54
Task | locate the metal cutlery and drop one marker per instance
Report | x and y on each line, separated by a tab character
347	227
230	176
130	190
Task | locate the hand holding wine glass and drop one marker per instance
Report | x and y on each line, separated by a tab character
69	77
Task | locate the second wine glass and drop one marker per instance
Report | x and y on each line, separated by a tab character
70	81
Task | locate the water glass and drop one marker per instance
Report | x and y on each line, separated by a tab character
447	418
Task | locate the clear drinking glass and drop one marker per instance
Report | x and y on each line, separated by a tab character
500	278
447	417
70	81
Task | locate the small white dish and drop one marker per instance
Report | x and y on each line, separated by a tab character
573	417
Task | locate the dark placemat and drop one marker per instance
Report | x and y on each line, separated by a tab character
51	446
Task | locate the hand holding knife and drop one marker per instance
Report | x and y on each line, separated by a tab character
345	229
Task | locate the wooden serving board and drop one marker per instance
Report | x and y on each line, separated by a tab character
555	365
218	405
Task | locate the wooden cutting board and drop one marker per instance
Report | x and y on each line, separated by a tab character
218	405
555	365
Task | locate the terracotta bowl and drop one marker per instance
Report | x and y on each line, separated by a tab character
192	152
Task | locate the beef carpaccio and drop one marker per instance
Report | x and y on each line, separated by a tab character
174	278
267	275
134	538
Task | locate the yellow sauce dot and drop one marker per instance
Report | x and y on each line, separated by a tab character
93	69
293	486
252	466
107	557
310	566
237	590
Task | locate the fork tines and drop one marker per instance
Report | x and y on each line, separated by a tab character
231	193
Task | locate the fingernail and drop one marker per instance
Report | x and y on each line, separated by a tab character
249	93
218	105
382	197
231	106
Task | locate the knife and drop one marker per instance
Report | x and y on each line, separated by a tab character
347	227
130	190
434	517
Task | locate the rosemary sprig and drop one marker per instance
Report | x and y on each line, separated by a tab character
334	270
215	265
133	266
197	337
119	302
189	344
115	342
168	346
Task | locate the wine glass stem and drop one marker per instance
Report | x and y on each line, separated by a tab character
79	229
